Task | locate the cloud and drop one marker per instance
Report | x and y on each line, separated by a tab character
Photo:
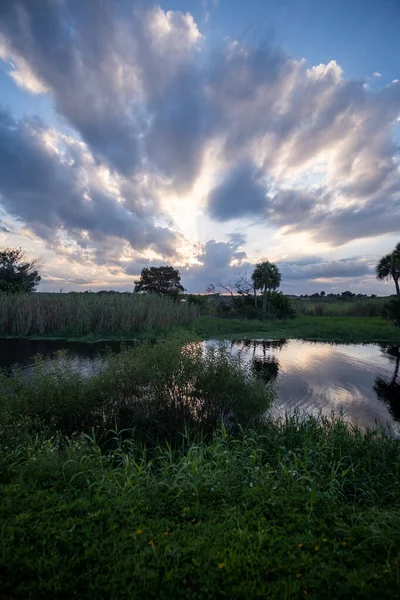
240	194
376	74
155	111
53	184
106	66
344	268
219	262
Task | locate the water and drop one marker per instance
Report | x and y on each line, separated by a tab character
360	380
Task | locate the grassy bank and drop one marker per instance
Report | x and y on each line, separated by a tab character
93	315
335	329
298	509
330	329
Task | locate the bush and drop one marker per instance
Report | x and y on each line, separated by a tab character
281	305
197	300
159	389
391	311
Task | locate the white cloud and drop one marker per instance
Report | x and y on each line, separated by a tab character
376	74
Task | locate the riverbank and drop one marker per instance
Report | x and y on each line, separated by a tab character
299	509
327	329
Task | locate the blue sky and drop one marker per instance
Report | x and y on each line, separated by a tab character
208	134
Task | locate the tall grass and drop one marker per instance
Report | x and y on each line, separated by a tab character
302	508
351	307
90	314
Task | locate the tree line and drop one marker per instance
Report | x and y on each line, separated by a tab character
19	274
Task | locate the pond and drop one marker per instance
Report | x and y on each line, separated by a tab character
360	380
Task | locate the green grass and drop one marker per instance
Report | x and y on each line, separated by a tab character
335	329
298	509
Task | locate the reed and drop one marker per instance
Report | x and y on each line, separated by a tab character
90	314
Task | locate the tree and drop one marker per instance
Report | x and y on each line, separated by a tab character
322	294
389	267
266	277
160	280
17	272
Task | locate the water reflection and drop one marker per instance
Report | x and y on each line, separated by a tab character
265	363
363	381
388	389
356	380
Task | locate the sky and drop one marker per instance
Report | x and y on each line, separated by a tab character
206	134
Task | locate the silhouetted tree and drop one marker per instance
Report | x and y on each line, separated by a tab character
266	277
389	267
17	272
160	280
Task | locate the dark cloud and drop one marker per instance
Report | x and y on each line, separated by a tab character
117	71
222	263
219	262
343	268
48	188
241	194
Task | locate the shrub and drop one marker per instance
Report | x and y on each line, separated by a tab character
391	310
158	389
281	305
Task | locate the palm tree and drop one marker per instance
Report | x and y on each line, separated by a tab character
266	277
389	267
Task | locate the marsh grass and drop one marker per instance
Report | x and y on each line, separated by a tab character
77	315
305	507
346	307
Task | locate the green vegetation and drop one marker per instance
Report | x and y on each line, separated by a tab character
345	329
159	476
75	315
156	388
301	508
341	306
392	310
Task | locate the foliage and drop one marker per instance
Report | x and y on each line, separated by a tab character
339	306
389	267
80	314
17	273
281	305
266	277
338	329
158	388
302	508
198	300
391	310
160	280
